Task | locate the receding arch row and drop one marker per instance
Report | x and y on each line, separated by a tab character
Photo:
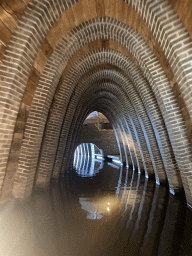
38	26
70	114
84	106
117	93
125	32
72	82
71	110
112	115
132	90
56	116
107	74
97	106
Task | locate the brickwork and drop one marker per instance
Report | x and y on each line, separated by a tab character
147	157
71	142
183	10
123	137
140	60
139	26
120	126
17	63
126	14
173	39
58	118
103	139
72	128
163	148
146	96
10	14
56	126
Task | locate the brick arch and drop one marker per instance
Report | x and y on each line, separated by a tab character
18	61
110	74
69	115
137	102
149	74
68	152
97	106
55	117
79	115
74	126
152	112
112	114
39	9
58	114
173	38
123	105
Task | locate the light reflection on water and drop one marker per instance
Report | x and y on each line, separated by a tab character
89	167
116	212
88	160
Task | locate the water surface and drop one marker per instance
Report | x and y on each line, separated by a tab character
115	212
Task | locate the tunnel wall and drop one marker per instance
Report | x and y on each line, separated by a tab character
104	139
150	34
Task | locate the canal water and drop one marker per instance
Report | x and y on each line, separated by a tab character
110	211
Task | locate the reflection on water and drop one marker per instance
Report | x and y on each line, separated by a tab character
88	160
99	207
88	167
116	212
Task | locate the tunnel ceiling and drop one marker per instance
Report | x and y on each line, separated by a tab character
63	59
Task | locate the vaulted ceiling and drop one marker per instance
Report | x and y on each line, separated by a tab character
63	59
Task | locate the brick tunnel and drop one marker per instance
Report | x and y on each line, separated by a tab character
63	59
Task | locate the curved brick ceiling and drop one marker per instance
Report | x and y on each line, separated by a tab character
129	60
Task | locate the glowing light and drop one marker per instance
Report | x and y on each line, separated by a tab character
108	203
108	209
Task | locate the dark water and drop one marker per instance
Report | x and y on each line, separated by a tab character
116	212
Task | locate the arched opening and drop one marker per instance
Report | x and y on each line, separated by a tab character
78	77
98	130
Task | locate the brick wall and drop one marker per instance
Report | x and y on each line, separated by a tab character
103	139
72	81
72	41
51	59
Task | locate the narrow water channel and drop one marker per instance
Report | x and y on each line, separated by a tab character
113	212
